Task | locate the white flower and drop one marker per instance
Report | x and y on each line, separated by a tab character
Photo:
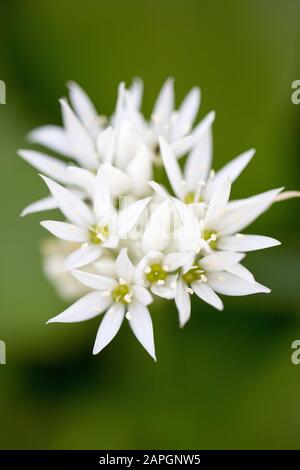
175	126
157	271
219	228
54	252
95	229
168	245
119	297
215	273
197	182
81	128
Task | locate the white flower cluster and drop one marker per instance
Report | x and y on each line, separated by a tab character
128	238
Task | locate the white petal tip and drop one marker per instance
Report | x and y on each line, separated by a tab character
264	290
45	178
212	115
71	83
21	152
23	213
97	351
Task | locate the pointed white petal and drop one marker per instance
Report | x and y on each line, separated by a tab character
217	204
232	171
135	116
220	260
53	137
130	215
187	235
140	165
94	281
109	327
71	206
159	189
245	243
80	141
202	127
120	105
141	325
105	266
183	303
164	105
142	295
198	164
119	182
174	260
157	233
84	108
240	271
85	308
68	232
106	142
128	142
102	197
82	178
50	166
172	168
186	114
136	92
269	196
227	283
44	204
182	146
124	267
240	214
207	294
81	257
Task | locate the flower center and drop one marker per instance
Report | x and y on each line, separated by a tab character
98	234
211	238
196	273
190	197
156	272
121	293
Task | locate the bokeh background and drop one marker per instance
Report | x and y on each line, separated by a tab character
226	380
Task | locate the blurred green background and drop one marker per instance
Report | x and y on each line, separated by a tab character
226	380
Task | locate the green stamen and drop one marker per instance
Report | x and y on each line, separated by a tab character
189	198
208	235
156	273
194	274
98	234
121	293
